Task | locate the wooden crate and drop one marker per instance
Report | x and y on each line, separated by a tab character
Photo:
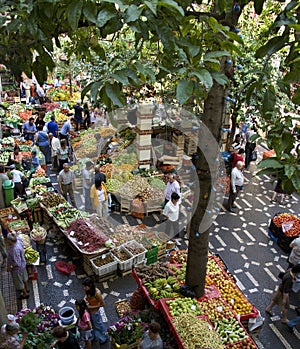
125	205
37	215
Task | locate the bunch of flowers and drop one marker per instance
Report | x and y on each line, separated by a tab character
127	330
46	314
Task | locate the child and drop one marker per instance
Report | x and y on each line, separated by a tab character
84	324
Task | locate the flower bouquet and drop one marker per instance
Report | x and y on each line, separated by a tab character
127	332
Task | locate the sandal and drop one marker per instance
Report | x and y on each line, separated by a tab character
270	313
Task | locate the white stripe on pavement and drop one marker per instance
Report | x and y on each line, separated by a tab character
280	336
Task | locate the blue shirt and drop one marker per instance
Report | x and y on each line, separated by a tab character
42	139
52	128
65	128
29	128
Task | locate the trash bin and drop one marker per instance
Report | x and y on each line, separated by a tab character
8	188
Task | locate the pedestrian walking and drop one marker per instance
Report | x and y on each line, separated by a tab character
278	190
84	324
95	301
66	183
238	157
66	130
100	176
281	297
86	116
250	146
78	115
171	213
16	264
87	179
52	126
99	198
236	184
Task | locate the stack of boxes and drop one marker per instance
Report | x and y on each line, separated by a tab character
143	136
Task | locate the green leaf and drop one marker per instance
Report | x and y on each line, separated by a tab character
121	76
296	97
184	90
90	11
269	101
133	13
289	170
113	93
104	16
292	76
273	45
152	5
220	78
204	76
95	87
296	182
270	163
221	5
74	13
216	54
171	3
258	6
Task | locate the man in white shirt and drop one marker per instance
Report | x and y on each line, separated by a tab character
66	183
17	177
87	179
171	212
236	184
55	144
172	187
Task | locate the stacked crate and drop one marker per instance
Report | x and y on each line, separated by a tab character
144	132
190	142
178	140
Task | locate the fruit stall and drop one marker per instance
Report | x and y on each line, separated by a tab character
221	315
283	229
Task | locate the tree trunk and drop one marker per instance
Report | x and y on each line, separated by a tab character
213	118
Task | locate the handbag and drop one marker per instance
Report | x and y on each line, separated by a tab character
253	156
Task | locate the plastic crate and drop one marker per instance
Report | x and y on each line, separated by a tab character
128	263
104	269
137	258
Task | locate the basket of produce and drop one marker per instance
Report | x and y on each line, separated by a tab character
19	205
136	250
123	257
122	307
104	264
38	234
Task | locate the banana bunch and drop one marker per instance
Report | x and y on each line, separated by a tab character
31	255
163	288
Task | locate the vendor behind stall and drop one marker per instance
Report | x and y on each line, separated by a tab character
29	129
17	177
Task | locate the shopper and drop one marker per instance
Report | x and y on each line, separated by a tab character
40	120
250	146
238	157
237	143
42	140
294	257
66	183
84	324
16	157
236	184
16	264
3	177
63	153
29	129
99	198
3	250
52	126
171	213
151	338
87	177
278	190
64	339
172	187
281	297
54	145
66	130
95	301
100	176
35	160
86	116
78	115
17	177
9	338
